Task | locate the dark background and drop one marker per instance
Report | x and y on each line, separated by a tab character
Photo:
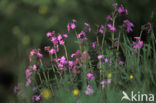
24	23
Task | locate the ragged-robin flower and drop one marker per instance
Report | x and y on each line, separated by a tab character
115	5
47	48
109	81
88	27
101	30
39	55
111	28
52	51
90	76
109	18
100	57
54	40
93	44
36	97
106	60
65	35
32	53
70	63
89	90
121	10
128	25
68	27
49	34
103	83
34	67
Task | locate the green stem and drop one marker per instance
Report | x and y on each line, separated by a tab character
66	53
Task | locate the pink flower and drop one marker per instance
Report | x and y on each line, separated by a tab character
65	35
121	9
128	25
63	60
61	42
68	27
100	57
81	34
57	48
111	28
90	76
34	89
35	67
28	72
71	63
74	21
106	60
16	88
121	62
32	53
28	82
137	45
103	84
109	81
54	40
59	37
101	30
73	26
109	18
47	48
49	34
40	55
116	43
36	97
137	38
115	5
93	44
88	26
52	51
89	90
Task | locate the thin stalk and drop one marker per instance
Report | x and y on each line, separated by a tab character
118	41
66	53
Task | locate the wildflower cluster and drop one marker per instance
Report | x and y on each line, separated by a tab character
80	66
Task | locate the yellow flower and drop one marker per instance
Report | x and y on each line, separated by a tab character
26	40
109	75
131	76
76	92
46	93
43	9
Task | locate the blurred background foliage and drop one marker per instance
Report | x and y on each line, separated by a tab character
24	23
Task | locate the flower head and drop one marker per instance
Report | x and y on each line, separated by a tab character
49	34
111	28
89	90
76	92
128	25
93	44
52	51
131	76
101	30
73	26
88	26
46	93
90	76
36	98
68	27
103	83
100	57
109	18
